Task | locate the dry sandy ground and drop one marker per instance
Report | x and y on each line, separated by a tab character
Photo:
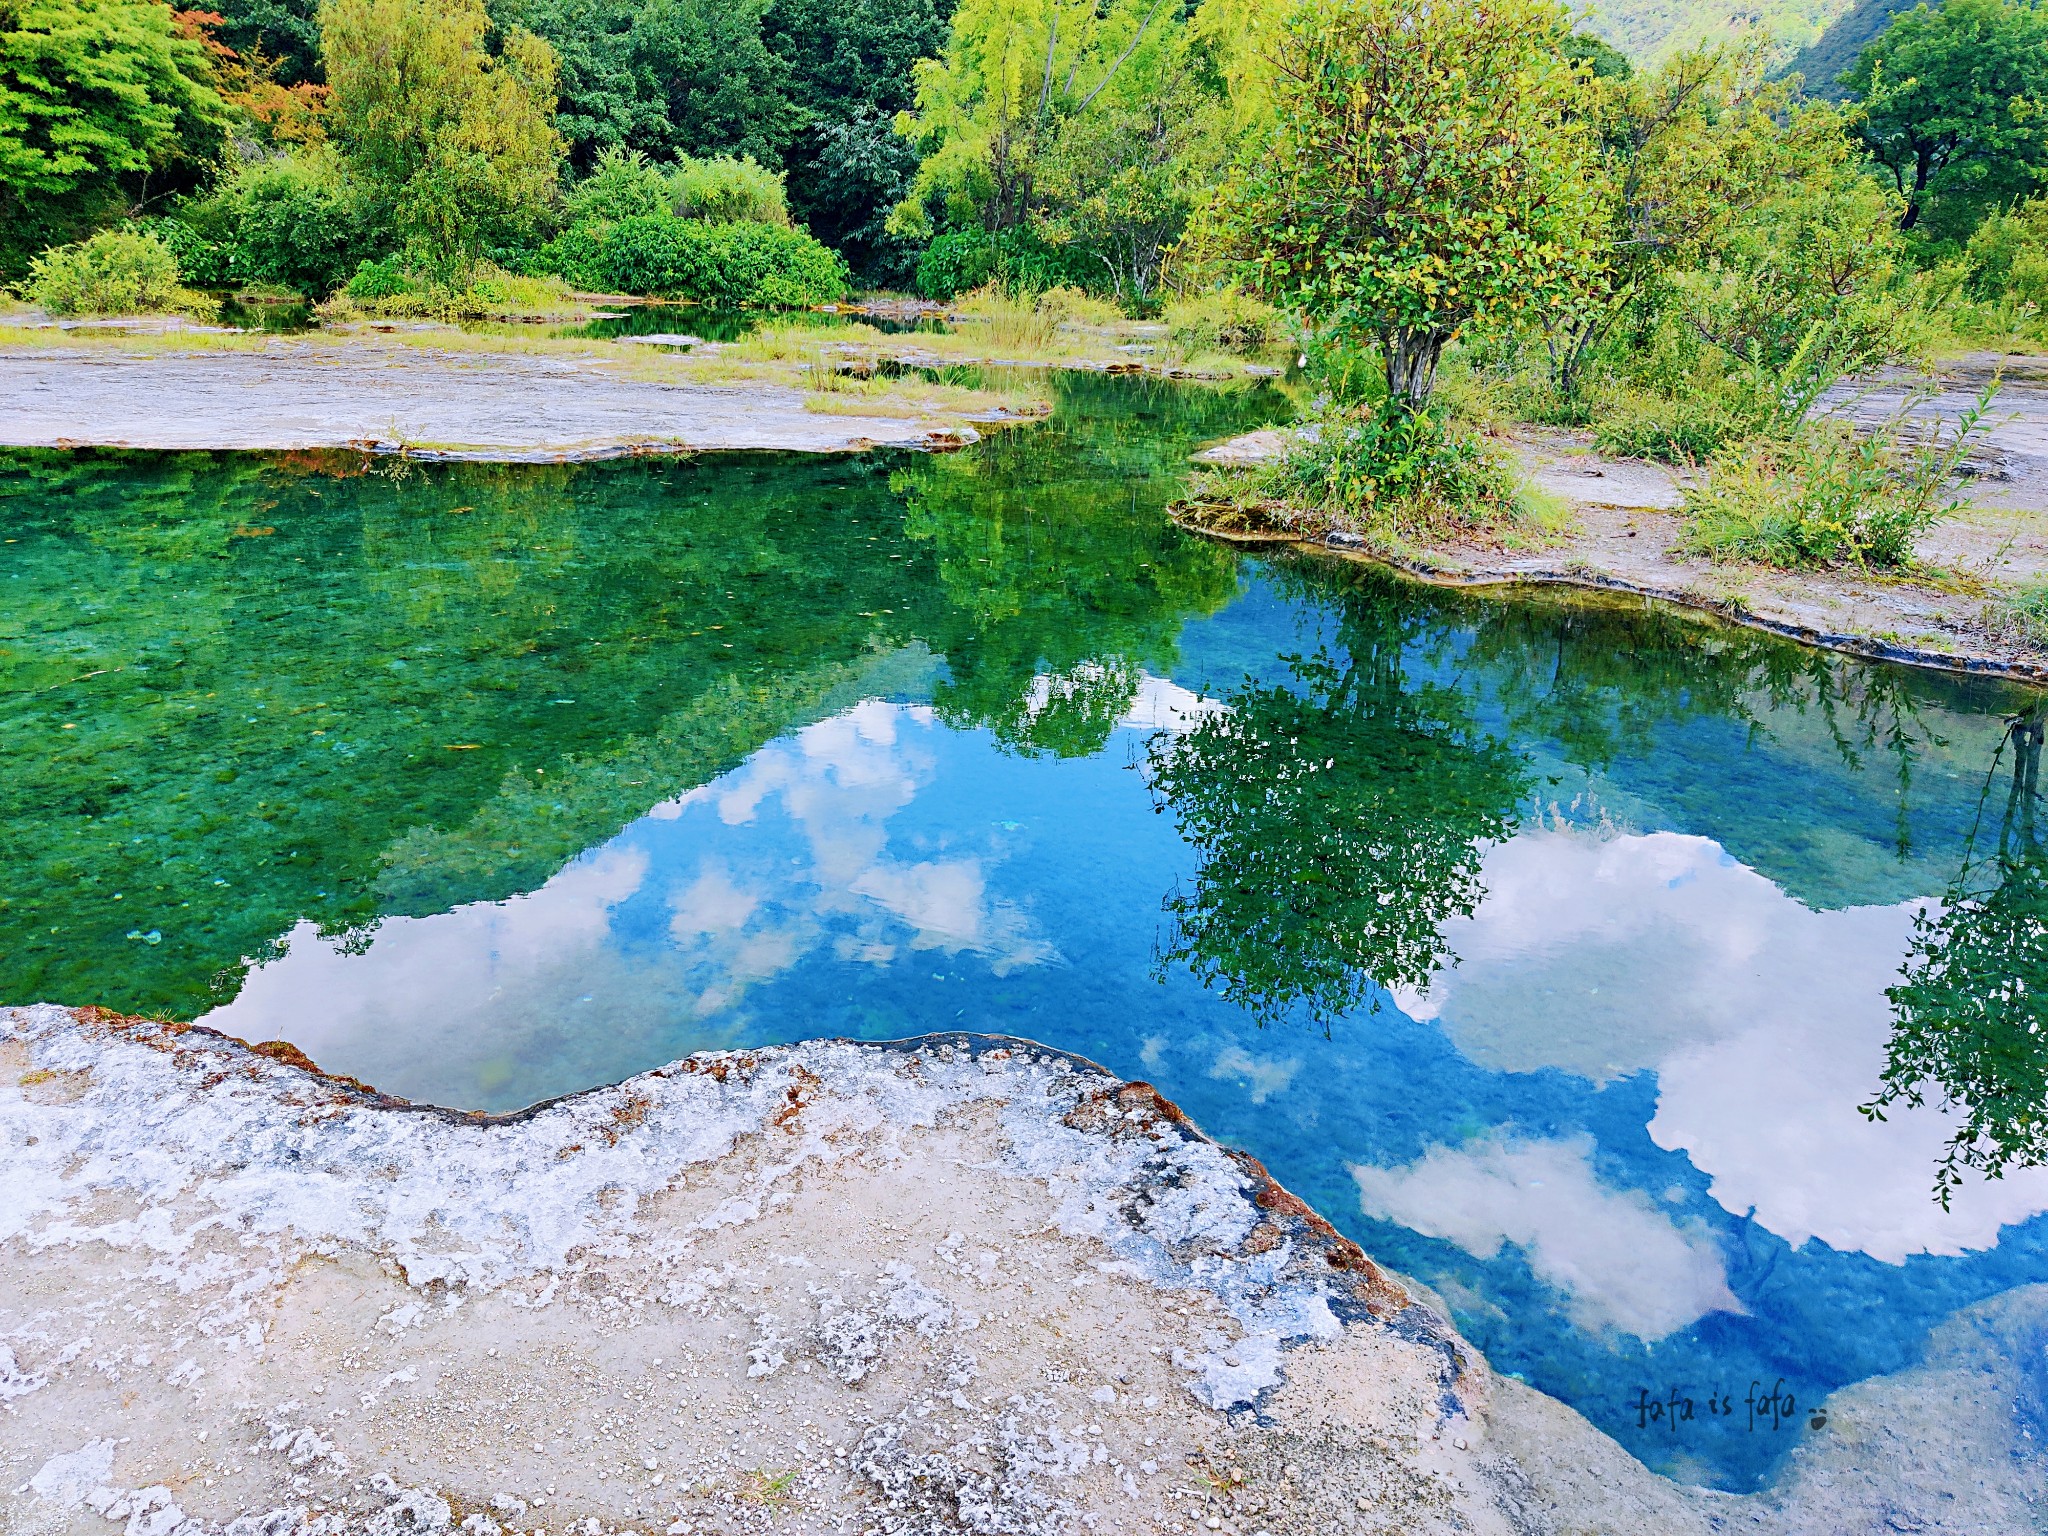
1625	532
462	405
956	1286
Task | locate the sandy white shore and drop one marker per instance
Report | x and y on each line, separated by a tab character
962	1285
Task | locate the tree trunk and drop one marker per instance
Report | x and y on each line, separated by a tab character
1412	356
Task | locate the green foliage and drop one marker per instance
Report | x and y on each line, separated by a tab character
115	272
1225	321
1016	260
2007	258
728	190
849	64
623	184
1430	167
1829	495
96	96
1951	108
284	33
1968	1028
1745	262
1093	127
730	265
626	185
1340	819
1596	56
1394	470
673	76
453	146
392	289
297	222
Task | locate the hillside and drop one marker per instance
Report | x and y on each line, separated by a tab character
1646	30
1836	49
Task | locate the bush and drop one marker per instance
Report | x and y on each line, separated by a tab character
622	185
116	272
962	260
202	262
728	191
377	280
297	223
1224	322
2007	258
959	261
1828	496
389	289
739	266
1396	470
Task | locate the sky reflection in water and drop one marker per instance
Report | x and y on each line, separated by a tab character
1542	945
1619	1132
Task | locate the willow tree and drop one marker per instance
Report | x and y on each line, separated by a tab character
1427	167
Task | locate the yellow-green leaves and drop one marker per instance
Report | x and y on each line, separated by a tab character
1427	164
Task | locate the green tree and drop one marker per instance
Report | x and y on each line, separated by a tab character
1082	125
457	143
1674	164
1970	1010
1340	818
1952	108
850	64
283	33
674	76
1430	166
1803	285
102	104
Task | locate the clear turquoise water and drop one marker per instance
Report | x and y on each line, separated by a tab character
1542	943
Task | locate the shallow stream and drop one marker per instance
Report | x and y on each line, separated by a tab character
1543	943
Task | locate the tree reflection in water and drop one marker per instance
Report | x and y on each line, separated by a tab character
1340	818
1969	1024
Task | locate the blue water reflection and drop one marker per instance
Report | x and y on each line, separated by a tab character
1615	1127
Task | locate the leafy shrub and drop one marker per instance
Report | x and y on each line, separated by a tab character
2007	258
116	272
1828	495
389	289
297	223
375	280
962	260
1396	469
724	190
623	184
741	266
959	261
1227	321
202	262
